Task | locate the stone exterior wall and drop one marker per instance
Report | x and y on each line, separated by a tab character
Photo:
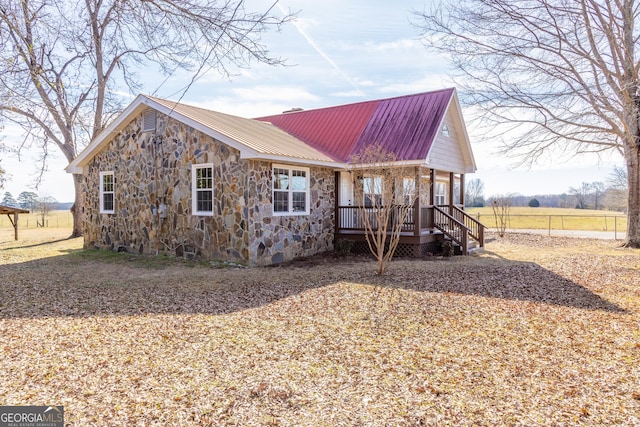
154	168
275	239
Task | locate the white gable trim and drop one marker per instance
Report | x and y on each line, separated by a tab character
142	103
462	137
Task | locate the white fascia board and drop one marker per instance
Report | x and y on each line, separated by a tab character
297	161
403	163
76	166
137	106
466	148
245	152
463	127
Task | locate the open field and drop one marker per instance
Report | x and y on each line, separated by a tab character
555	219
55	219
535	331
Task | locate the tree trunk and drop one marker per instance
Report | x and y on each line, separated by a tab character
77	210
633	214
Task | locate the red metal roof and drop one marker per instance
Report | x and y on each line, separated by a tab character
405	126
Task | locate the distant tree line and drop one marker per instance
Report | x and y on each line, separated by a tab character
33	202
609	195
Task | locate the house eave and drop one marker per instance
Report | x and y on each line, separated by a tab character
295	160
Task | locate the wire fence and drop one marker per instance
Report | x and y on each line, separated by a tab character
607	222
55	219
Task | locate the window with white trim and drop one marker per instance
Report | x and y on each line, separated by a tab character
107	192
440	195
405	191
202	189
290	190
372	190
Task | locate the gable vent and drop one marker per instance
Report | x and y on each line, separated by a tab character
148	120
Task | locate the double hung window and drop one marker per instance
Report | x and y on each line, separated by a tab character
107	192
290	190
372	190
202	189
440	193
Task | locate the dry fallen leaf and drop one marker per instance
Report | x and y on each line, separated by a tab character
535	331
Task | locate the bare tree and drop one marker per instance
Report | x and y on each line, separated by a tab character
501	207
560	74
474	193
581	195
385	193
616	195
598	189
618	179
62	63
43	206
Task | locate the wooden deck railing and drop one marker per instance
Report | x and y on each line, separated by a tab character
349	218
475	227
450	220
451	228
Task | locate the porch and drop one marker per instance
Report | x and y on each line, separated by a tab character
427	226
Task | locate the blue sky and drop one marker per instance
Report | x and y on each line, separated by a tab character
337	52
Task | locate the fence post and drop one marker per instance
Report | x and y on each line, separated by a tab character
549	225
615	228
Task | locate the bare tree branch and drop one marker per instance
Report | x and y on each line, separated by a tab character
62	61
548	76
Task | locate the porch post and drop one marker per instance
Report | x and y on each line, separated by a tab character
417	221
336	206
462	190
432	186
15	225
451	186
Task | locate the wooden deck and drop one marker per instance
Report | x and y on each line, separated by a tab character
424	230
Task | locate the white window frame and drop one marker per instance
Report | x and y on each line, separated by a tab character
373	190
440	193
290	190
104	192
405	190
195	190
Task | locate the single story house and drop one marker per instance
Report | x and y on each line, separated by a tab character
166	177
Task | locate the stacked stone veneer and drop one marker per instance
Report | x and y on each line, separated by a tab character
154	168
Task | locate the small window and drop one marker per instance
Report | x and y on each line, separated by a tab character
148	121
372	190
405	192
202	189
107	192
445	130
290	190
440	193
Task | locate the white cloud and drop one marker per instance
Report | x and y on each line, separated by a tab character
423	84
347	94
395	46
274	93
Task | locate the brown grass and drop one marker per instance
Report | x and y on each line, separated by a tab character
536	331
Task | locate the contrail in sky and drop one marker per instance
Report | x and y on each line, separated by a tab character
321	52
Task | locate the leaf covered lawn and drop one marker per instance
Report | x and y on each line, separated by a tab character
535	331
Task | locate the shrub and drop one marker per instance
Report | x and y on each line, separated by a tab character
344	247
